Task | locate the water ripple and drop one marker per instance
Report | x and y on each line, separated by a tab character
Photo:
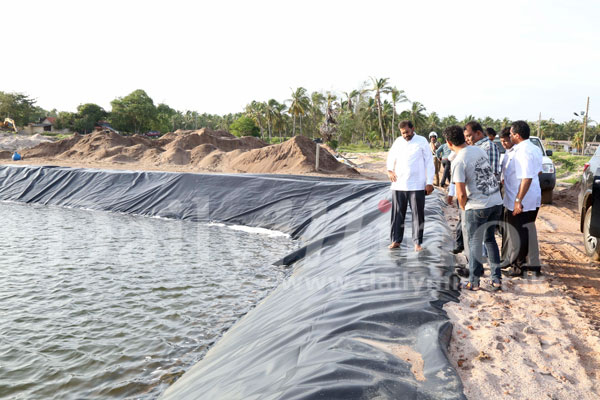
101	305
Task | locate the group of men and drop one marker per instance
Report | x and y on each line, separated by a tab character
476	174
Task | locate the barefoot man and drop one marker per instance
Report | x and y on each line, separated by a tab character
410	168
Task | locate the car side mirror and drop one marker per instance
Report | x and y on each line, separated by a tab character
549	153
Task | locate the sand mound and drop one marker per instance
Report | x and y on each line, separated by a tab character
297	155
216	151
12	142
198	153
176	155
215	161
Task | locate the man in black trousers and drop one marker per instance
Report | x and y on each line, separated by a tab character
410	169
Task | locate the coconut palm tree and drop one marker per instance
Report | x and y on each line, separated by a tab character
468	119
416	114
369	114
448	121
433	123
349	100
299	105
280	119
317	100
387	118
380	86
257	111
271	110
398	96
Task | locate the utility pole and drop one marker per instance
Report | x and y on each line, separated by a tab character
585	119
539	133
317	158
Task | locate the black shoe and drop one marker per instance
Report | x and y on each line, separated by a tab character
513	272
458	250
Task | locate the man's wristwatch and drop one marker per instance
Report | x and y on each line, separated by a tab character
517	200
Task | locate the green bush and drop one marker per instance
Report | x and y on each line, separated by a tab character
244	126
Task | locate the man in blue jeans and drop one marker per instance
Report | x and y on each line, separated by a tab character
478	193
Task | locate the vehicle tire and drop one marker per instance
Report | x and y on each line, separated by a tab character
547	196
590	243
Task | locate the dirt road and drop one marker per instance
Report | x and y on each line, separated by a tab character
562	252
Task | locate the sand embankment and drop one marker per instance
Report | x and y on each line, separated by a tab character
201	151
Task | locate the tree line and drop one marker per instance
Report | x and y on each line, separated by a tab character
367	114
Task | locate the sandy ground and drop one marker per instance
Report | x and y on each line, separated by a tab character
540	337
537	339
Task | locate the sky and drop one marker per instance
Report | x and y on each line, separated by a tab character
510	59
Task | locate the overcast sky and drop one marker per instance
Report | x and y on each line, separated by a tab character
503	59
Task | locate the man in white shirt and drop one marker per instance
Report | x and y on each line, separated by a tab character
507	250
523	196
410	169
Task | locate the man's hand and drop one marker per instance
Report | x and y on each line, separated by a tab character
428	189
392	176
449	200
518	208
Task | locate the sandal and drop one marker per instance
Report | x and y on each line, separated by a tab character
470	286
496	286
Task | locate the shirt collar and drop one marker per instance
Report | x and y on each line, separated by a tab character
524	143
482	140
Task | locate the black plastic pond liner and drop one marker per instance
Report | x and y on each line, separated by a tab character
339	326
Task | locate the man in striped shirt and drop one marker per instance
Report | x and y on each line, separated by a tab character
474	134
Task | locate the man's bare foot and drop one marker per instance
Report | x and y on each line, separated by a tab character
418	247
394	245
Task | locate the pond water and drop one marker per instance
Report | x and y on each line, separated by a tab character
103	305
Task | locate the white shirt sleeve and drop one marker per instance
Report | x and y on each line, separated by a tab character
524	166
452	190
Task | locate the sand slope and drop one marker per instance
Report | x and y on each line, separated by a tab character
202	150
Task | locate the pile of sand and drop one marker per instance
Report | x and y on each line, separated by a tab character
203	150
10	142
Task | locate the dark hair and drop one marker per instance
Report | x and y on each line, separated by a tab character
455	135
405	123
522	128
475	126
490	131
505	132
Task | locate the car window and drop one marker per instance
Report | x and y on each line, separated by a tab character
538	143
